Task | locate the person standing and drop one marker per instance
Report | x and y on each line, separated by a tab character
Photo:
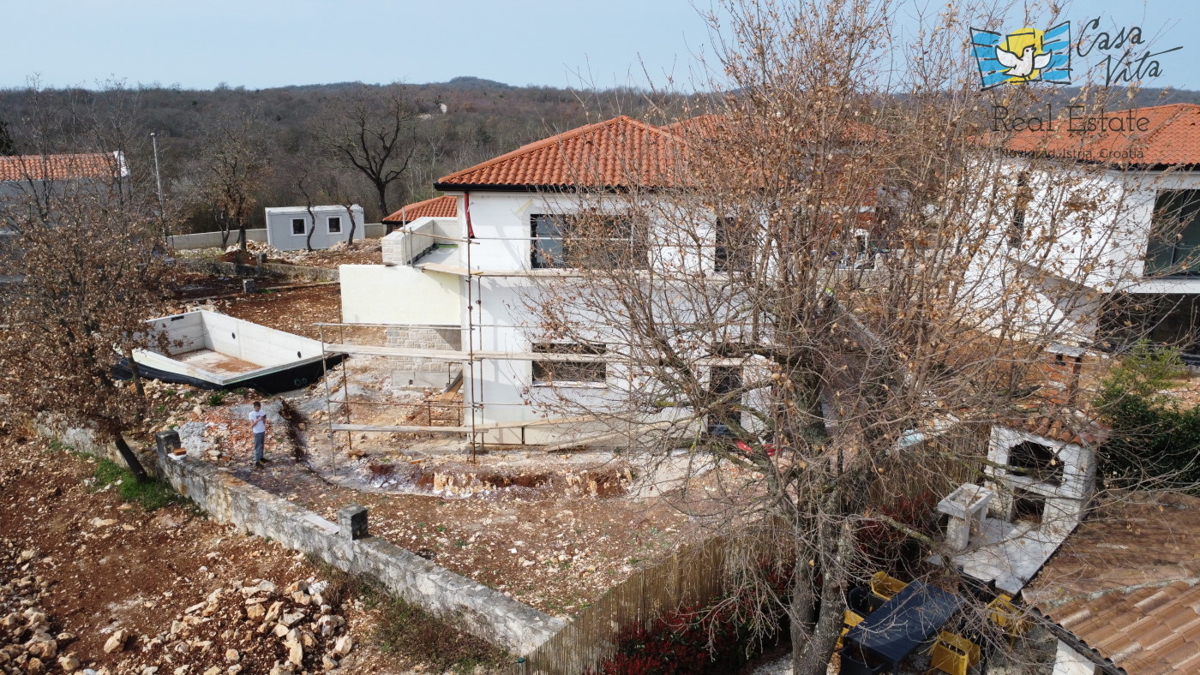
258	422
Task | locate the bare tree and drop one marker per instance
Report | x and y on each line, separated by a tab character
232	166
375	133
86	275
810	289
303	185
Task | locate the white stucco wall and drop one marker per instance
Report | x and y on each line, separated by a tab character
279	226
1079	255
399	294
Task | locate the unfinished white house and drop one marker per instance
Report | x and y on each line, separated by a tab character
1115	214
474	275
289	227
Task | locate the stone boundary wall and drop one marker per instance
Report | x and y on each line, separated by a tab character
187	242
84	440
228	269
468	604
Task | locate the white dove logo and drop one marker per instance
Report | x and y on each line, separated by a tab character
1023	65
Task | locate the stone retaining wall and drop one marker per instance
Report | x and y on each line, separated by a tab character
419	373
465	603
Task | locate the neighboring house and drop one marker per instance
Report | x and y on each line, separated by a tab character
1123	594
21	172
288	227
445	206
1139	242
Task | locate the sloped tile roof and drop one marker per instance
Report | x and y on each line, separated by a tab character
1172	138
621	152
1080	432
438	207
60	167
1127	584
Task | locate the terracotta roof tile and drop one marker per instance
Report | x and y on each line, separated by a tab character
1063	426
621	152
1128	584
1172	137
61	167
438	207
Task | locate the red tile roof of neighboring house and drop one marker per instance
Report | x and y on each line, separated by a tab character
438	207
621	152
1171	138
61	167
1127	584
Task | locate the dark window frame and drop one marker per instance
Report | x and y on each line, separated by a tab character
1021	200
550	244
1173	247
303	227
569	372
329	221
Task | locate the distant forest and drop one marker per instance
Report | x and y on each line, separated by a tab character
293	145
444	127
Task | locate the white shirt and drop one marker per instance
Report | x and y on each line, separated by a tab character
258	417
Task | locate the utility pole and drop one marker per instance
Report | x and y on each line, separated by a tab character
162	219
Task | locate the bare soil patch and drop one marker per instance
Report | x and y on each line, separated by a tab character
180	586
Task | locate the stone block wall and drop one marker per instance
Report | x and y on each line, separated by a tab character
417	373
468	604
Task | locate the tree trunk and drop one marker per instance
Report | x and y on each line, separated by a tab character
137	379
353	225
242	237
135	466
383	207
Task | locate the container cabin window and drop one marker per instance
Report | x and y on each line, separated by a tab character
335	225
298	226
586	241
1174	246
567	371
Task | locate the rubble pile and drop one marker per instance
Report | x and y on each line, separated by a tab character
28	641
252	627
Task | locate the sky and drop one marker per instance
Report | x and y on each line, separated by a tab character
266	43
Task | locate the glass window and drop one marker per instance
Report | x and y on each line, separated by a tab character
590	241
565	370
335	224
547	248
298	226
1174	245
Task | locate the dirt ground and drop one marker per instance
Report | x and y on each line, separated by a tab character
182	588
553	530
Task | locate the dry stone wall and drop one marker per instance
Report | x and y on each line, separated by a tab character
474	607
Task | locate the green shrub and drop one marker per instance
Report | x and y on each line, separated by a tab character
216	398
1153	437
151	494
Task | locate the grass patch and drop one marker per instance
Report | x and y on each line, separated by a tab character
408	631
151	495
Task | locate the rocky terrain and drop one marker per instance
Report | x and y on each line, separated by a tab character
89	582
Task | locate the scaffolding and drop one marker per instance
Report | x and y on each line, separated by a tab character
472	358
472	410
